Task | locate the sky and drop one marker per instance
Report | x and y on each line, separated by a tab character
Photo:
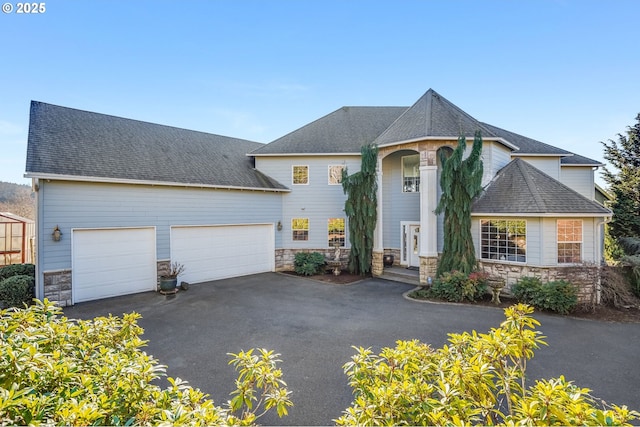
564	72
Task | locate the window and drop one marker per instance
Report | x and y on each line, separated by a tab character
335	231
301	174
504	239
300	228
411	173
335	174
569	241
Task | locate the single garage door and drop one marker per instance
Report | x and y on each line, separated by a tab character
112	262
219	252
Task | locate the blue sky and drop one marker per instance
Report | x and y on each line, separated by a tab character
564	72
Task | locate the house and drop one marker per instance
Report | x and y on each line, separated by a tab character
128	197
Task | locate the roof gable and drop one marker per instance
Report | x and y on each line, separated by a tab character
343	131
432	116
520	188
68	142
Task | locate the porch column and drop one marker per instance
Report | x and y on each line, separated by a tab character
428	218
377	265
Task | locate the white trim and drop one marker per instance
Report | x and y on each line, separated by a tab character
404	256
304	154
591	165
516	154
106	180
449	138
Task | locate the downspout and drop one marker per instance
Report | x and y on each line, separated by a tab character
35	185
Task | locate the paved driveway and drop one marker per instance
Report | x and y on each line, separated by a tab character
313	325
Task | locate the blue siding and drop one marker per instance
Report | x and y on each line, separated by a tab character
93	205
397	206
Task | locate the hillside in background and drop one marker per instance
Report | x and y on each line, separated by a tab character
17	199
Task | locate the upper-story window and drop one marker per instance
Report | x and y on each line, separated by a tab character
503	239
411	173
335	174
569	241
300	175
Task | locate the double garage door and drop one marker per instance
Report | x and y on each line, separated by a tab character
120	261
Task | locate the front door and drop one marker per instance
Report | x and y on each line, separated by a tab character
414	246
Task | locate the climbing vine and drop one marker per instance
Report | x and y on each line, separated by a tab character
461	181
360	208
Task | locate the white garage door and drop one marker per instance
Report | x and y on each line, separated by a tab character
219	252
111	262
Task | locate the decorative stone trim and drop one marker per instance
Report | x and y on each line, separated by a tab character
586	278
285	257
428	268
396	255
57	287
377	264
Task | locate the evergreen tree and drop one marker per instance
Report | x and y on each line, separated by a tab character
361	210
624	155
461	181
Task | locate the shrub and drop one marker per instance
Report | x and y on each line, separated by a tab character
559	295
456	286
17	270
58	371
474	379
16	291
308	263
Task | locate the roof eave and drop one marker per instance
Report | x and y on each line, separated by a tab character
301	154
451	138
545	214
107	180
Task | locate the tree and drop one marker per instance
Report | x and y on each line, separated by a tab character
476	378
361	209
624	155
461	181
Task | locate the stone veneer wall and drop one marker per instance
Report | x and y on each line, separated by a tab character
586	278
428	268
285	257
57	287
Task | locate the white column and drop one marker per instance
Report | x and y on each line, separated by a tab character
428	203
378	244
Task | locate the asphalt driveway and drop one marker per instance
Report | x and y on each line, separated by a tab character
313	325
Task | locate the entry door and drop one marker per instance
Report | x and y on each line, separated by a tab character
414	246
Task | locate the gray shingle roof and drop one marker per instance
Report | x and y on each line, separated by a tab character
577	159
66	141
520	188
345	130
526	145
432	116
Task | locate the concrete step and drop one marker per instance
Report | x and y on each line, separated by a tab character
403	275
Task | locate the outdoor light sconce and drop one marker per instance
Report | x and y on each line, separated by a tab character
279	226
56	235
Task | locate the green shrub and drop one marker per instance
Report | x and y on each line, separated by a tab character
308	263
17	270
58	371
559	295
476	379
456	286
16	291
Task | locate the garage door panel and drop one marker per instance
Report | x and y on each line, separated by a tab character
218	252
112	262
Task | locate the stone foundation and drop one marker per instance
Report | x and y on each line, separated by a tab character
396	255
377	264
286	257
586	278
163	268
57	287
428	268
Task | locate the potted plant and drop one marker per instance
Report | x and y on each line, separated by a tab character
169	281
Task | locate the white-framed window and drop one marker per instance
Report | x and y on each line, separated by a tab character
300	174
335	174
300	229
569	241
503	239
336	232
411	173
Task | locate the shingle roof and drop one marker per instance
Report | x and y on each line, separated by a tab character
70	142
526	145
520	188
577	159
345	130
432	116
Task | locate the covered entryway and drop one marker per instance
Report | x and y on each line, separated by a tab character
223	251
113	261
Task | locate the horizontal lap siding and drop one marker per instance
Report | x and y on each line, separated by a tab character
396	205
94	205
318	201
579	179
